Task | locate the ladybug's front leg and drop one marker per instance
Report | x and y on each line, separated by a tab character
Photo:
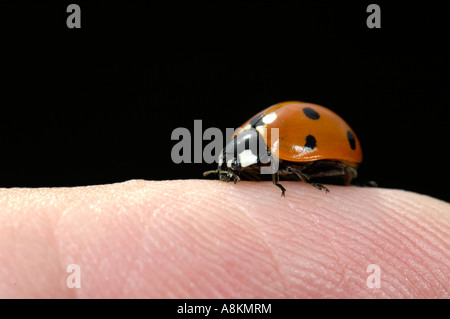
275	180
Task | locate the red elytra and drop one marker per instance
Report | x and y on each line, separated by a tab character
335	140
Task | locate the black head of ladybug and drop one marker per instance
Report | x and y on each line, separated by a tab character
240	154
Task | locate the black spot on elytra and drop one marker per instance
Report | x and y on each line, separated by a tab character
310	142
351	140
309	112
254	121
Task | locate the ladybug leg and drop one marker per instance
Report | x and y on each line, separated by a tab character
303	177
350	173
366	183
217	171
319	186
275	180
370	183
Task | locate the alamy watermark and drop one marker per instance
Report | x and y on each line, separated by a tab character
246	148
74	279
374	279
193	144
74	19
374	19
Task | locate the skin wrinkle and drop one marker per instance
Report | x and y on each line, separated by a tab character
268	248
67	258
331	266
161	247
261	256
308	231
241	208
330	214
335	257
72	293
318	259
199	240
405	242
152	260
196	245
413	222
420	252
317	262
327	212
309	258
407	205
22	240
423	249
96	208
412	219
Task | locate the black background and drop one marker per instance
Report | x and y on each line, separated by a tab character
98	104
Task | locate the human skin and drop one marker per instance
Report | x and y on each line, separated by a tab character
209	239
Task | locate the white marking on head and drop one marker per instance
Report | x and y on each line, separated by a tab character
247	158
269	118
229	162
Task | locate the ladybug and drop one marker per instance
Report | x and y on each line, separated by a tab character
312	144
